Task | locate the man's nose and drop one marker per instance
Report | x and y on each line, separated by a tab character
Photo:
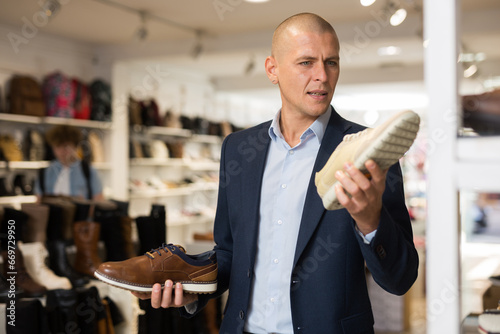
320	72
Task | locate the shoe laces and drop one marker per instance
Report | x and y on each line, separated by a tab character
166	248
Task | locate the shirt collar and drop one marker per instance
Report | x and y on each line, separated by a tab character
318	127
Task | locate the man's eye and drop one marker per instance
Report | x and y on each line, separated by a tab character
332	63
305	63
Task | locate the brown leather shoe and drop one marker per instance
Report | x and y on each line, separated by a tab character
197	273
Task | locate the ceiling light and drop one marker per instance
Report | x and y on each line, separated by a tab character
198	47
367	3
142	32
389	50
398	17
51	7
470	71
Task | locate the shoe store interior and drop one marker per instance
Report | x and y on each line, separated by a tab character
141	95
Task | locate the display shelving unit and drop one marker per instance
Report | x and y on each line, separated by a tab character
455	164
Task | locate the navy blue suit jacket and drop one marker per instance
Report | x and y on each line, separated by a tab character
327	289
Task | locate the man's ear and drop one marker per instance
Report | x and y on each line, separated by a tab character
272	69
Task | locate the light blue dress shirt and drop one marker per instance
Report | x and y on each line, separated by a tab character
286	177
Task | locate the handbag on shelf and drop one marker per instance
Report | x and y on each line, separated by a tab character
25	97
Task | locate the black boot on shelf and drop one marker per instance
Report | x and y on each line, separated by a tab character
59	263
111	233
151	229
56	245
61	307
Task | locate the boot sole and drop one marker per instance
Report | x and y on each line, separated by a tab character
394	141
187	286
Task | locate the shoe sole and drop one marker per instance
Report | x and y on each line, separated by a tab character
187	286
394	141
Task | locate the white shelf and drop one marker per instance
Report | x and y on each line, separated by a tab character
206	139
78	122
24	164
17	199
157	162
45	164
20	118
479	149
174	192
194	165
55	121
169	132
478	177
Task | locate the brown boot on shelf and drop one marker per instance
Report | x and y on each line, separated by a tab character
126	224
14	263
86	236
35	229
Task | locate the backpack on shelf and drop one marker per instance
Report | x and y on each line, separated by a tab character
100	93
59	95
25	97
81	101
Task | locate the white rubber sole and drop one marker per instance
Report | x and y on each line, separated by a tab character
187	286
394	141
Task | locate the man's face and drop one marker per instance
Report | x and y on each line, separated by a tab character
308	70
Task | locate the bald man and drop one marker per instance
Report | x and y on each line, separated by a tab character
290	265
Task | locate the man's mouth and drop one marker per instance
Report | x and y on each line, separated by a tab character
317	93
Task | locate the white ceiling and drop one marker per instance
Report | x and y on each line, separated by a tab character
236	31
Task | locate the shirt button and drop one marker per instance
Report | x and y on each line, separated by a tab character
291	152
276	261
283	185
272	299
280	222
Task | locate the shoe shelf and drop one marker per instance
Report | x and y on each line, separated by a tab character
208	139
479	149
173	192
24	164
194	165
162	131
179	133
17	200
477	164
43	164
55	121
20	118
188	220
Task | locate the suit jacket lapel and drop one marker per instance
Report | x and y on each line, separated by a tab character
313	206
251	189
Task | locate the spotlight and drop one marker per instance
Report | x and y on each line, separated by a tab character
398	17
367	3
142	32
198	47
51	7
